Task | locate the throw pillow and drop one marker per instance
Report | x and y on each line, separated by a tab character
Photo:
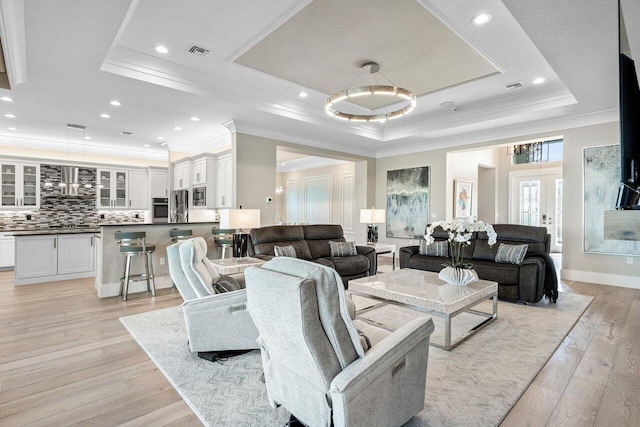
289	251
511	254
339	249
438	248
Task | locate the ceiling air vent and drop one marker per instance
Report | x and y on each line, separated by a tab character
198	51
516	85
125	133
76	127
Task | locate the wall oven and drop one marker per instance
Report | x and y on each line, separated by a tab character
199	196
160	210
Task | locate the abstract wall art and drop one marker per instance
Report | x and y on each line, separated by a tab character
407	202
601	181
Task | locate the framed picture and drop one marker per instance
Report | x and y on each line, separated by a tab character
463	198
407	202
601	168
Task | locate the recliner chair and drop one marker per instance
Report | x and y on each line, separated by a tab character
313	359
215	321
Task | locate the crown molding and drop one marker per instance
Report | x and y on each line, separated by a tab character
308	163
12	32
518	130
87	148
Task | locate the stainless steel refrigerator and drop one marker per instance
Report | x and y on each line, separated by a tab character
180	206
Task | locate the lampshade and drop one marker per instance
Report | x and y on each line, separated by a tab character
240	218
372	216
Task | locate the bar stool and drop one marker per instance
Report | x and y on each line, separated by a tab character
179	235
134	244
223	237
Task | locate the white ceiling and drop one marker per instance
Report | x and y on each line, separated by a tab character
68	58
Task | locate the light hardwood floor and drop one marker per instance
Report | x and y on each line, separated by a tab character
66	359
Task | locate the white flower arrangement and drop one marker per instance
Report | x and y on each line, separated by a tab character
460	232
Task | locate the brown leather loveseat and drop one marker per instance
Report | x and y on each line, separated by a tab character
311	242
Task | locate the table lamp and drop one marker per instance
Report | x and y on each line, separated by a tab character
240	220
372	217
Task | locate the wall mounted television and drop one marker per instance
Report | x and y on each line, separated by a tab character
629	192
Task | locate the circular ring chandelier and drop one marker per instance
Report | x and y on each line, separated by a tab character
371	90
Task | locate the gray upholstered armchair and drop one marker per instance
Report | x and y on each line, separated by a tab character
214	321
313	359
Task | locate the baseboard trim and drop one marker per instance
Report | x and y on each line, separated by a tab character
601	278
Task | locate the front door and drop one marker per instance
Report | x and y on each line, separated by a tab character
536	199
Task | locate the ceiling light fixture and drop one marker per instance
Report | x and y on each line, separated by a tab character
539	80
194	119
10	116
303	94
161	49
481	19
105	115
160	138
12	128
115	103
391	90
177	128
6	98
146	145
87	137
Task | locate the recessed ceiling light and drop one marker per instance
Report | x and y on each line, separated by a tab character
160	138
177	128
6	98
12	128
87	137
481	19
303	94
146	145
539	80
161	49
115	103
194	119
10	116
105	115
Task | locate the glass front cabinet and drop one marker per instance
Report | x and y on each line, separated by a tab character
112	189
20	185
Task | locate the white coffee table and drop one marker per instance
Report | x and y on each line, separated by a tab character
423	291
235	265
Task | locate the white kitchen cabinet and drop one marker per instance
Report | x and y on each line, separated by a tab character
181	175
199	171
112	189
137	189
36	256
224	182
7	250
158	184
53	257
19	185
76	253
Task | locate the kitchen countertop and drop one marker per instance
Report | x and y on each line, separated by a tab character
92	229
53	231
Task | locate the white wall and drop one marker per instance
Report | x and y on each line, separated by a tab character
342	201
464	165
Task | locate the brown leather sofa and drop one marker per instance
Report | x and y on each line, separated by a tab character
311	243
529	281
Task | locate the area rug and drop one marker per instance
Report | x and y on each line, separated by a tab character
476	384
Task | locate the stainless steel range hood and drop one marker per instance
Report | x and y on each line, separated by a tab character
70	180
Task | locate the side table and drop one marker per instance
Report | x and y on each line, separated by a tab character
227	266
384	248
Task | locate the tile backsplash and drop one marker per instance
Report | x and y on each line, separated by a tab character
58	209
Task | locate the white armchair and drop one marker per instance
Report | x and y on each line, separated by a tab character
313	360
215	321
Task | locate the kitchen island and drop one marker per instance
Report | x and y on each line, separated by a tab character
53	254
110	262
